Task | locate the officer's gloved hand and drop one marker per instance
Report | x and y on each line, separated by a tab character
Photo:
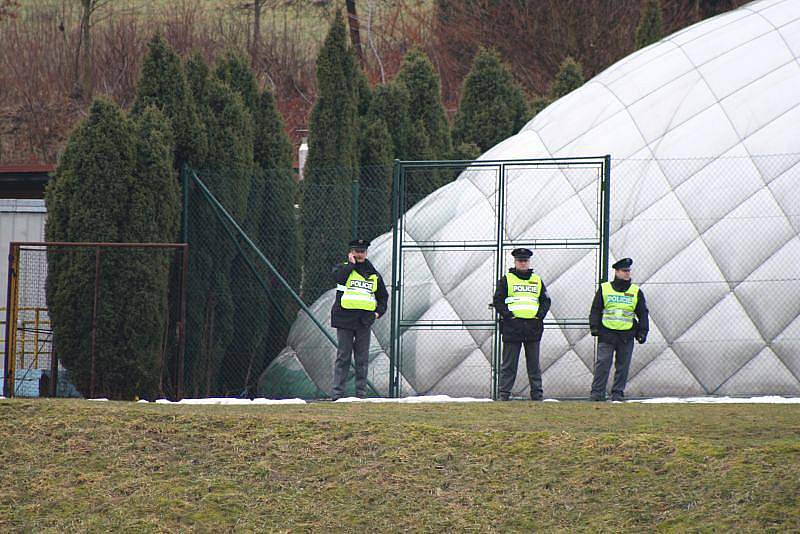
595	332
641	338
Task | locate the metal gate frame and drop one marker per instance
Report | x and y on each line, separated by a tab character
12	306
499	244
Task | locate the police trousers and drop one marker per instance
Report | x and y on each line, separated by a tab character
508	371
356	343
623	347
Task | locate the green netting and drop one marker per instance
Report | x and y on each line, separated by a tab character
250	269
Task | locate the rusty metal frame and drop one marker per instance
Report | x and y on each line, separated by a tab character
12	296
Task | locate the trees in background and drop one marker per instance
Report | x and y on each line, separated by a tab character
568	78
425	108
163	84
332	162
649	29
219	123
492	104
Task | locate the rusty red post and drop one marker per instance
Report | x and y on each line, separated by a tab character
182	320
94	317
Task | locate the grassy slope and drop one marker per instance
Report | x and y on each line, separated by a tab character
73	465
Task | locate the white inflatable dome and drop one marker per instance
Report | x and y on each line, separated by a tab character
703	131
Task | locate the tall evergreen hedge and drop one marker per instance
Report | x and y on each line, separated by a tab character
228	172
649	29
390	102
332	161
568	78
114	183
425	103
375	178
163	83
492	105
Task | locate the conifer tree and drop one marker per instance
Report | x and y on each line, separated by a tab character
163	83
153	215
375	178
426	111
492	105
279	233
390	102
466	151
115	182
198	76
332	161
649	29
425	103
568	78
228	173
251	307
537	104
233	68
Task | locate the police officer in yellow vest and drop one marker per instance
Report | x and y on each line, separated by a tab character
522	302
361	298
618	316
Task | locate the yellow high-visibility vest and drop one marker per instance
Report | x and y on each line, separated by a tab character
618	307
358	293
523	295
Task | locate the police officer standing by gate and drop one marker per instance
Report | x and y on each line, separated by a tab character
361	298
618	315
522	302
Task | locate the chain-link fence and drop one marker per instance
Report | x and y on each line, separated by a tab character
714	241
252	269
114	309
452	246
716	252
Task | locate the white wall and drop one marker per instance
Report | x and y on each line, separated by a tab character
20	220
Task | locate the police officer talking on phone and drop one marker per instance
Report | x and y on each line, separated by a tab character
361	298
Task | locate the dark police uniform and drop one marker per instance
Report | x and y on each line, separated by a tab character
361	293
522	302
618	316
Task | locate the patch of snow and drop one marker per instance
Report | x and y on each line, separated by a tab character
415	400
229	401
773	399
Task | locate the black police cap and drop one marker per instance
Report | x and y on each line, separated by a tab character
624	263
522	253
359	244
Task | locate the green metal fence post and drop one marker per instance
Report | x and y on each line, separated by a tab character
606	223
500	229
394	368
